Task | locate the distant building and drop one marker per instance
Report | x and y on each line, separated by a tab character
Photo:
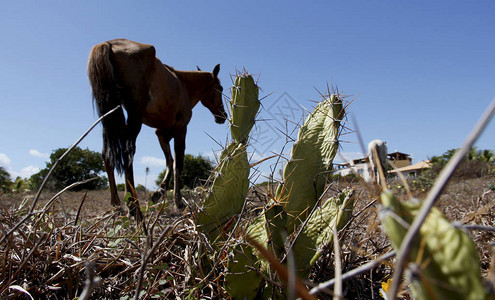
412	170
399	159
360	166
356	166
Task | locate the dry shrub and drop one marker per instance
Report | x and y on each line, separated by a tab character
467	169
47	254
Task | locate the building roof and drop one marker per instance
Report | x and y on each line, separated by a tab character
391	156
398	156
418	166
398	153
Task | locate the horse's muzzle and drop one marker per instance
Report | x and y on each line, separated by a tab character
220	119
221	116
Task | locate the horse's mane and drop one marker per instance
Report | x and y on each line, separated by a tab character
170	68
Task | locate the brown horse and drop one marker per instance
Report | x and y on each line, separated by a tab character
127	73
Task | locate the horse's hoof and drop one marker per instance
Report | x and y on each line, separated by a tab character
157	195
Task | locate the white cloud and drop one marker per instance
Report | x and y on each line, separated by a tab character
28	171
4	161
36	153
152	161
24	173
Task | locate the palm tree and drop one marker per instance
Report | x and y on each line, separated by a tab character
19	185
487	155
147	171
473	154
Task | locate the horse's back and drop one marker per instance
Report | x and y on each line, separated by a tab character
132	60
168	99
131	49
150	88
133	66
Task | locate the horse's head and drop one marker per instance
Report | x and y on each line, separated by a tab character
213	98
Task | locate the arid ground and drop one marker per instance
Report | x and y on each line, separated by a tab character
46	255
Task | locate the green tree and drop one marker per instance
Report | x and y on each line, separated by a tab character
140	188
196	170
120	187
441	160
77	166
486	155
20	185
473	154
5	181
477	163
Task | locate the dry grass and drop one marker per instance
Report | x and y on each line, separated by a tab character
46	256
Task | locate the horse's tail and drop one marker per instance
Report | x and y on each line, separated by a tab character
106	97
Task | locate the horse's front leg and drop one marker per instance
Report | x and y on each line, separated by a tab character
114	197
179	148
164	139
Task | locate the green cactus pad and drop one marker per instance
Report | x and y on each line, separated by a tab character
311	162
243	107
335	211
242	282
446	259
228	191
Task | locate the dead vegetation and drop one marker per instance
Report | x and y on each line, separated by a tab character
79	239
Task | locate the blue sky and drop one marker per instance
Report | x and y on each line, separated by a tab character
423	71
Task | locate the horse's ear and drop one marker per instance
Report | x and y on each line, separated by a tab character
216	70
198	68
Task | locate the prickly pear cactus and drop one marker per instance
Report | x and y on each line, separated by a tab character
304	178
307	171
231	177
243	282
243	107
335	211
446	259
228	191
230	187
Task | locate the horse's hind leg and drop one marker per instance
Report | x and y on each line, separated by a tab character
132	130
164	139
